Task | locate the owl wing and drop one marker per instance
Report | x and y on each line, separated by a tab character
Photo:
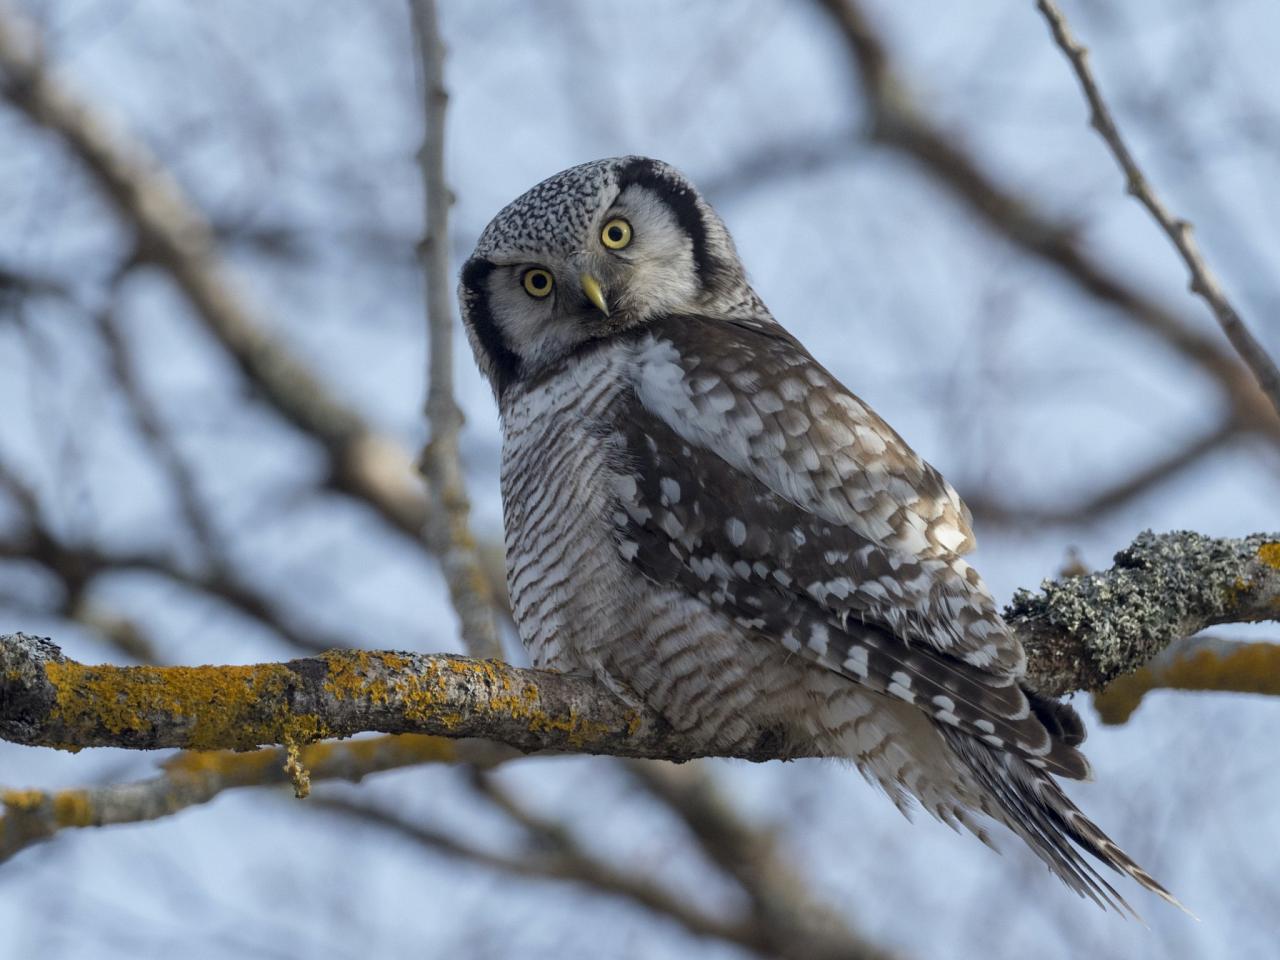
754	481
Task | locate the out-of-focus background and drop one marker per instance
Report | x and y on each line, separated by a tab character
182	518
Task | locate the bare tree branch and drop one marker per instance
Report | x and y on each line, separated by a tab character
790	921
1203	280
175	237
1080	634
190	779
151	425
902	123
1199	663
990	510
448	527
557	864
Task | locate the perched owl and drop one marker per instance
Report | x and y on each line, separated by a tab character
702	517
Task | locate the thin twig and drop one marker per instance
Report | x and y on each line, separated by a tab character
151	426
989	510
902	122
788	918
1203	280
447	523
190	779
175	237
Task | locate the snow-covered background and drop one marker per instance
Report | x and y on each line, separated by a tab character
294	124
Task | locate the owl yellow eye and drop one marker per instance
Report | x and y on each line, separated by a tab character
537	282
616	234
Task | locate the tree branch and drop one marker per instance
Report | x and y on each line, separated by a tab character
1203	280
900	122
1080	634
448	527
1233	666
190	779
172	234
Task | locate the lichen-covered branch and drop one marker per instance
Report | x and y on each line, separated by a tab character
1080	633
1231	666
194	778
448	526
1204	281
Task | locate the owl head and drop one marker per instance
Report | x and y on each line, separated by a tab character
589	253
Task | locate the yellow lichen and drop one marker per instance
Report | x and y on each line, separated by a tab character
297	771
218	707
1269	553
72	808
24	801
1249	668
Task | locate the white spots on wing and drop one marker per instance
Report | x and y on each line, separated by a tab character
792	390
869	440
720	400
819	639
949	536
742	569
736	531
790	641
993	740
834	557
624	485
856	661
760	569
944	703
797	535
986	726
672	527
782	577
983	656
670	490
873	589
766	401
628	549
900	686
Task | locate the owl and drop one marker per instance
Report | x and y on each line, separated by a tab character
702	517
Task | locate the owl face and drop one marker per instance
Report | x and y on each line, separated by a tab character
596	250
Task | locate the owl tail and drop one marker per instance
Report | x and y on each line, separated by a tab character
1032	804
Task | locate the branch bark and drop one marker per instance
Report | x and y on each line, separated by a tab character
190	779
1080	633
1232	666
1204	282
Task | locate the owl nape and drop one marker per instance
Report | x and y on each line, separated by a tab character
701	516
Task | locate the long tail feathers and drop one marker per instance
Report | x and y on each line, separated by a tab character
1031	804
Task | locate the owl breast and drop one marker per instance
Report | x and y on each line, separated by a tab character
581	607
564	572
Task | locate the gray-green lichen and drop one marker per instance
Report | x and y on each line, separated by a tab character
1081	632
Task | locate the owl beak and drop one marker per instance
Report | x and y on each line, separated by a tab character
591	287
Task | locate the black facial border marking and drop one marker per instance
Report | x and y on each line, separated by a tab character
683	202
504	364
